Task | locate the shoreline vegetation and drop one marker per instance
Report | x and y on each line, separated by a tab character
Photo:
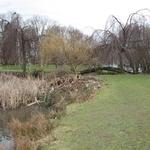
53	94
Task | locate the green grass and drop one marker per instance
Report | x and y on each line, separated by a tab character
118	118
30	68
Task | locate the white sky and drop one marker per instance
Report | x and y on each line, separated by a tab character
81	14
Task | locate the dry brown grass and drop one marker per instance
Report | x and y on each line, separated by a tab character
18	91
27	133
35	128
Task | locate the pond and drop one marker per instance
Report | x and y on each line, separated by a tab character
23	113
6	140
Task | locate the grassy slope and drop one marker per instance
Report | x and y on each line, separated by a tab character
117	119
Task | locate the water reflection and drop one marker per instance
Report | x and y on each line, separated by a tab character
6	140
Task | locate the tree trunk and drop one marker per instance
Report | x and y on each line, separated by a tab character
24	62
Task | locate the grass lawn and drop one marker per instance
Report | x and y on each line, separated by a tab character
30	68
118	118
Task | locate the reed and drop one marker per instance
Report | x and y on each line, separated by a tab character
16	91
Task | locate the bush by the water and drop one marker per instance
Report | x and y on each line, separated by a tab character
27	133
68	89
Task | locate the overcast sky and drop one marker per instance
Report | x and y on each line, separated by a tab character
81	14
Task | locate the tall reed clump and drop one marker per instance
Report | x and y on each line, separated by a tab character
16	91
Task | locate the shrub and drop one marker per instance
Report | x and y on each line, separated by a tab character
36	127
27	133
69	89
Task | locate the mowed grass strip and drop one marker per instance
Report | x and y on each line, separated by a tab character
118	118
30	68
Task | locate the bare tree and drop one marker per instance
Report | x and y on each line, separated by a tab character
16	39
125	44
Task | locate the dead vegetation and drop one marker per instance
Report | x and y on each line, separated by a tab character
27	133
16	91
55	93
68	89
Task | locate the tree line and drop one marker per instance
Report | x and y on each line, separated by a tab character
39	40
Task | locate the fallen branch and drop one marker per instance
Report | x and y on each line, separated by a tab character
91	70
35	102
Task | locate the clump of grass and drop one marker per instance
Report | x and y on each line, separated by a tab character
38	126
26	133
16	91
